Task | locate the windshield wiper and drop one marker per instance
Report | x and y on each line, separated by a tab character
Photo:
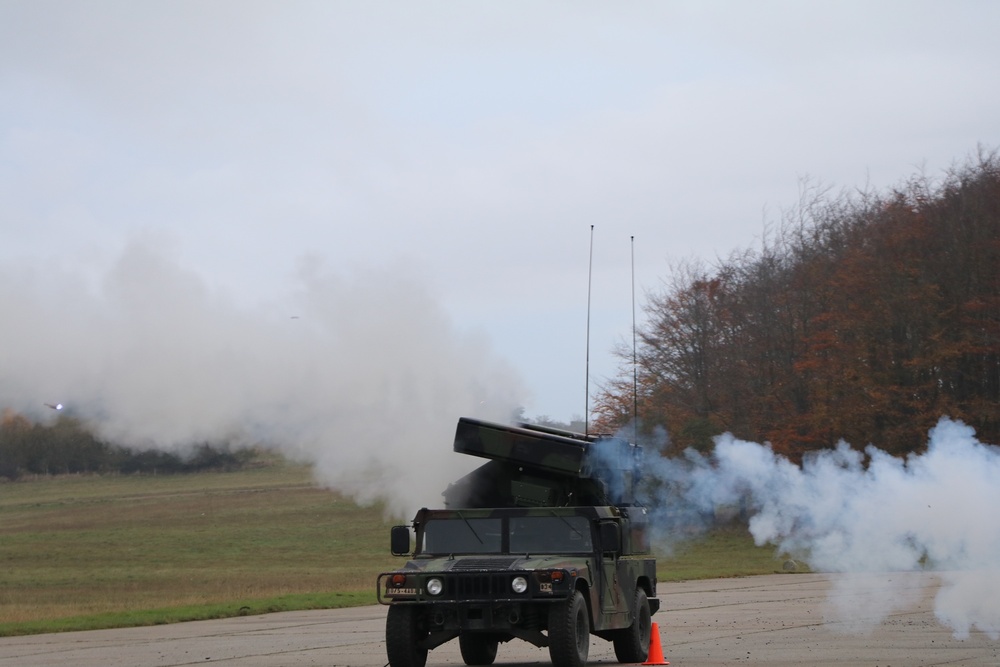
566	521
470	527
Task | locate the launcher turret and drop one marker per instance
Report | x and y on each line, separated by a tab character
536	466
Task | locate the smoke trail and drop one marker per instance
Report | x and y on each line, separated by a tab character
931	511
364	376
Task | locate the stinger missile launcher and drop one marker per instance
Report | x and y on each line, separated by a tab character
543	543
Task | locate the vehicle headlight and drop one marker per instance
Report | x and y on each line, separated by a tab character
519	584
434	586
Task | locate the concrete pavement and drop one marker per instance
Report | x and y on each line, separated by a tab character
774	620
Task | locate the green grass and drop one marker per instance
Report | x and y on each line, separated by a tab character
727	551
88	552
78	548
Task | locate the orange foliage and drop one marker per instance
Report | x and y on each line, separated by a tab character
867	324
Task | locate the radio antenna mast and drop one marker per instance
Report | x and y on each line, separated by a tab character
635	366
590	274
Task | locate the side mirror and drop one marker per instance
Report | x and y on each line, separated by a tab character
400	541
611	538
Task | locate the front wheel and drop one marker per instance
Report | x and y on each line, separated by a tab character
403	630
478	649
632	643
569	632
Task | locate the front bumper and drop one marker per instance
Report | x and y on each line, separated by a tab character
465	588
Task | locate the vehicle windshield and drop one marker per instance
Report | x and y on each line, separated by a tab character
463	536
518	535
549	534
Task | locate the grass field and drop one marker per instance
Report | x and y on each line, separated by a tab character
84	552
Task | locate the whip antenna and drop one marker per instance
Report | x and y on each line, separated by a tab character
590	274
635	365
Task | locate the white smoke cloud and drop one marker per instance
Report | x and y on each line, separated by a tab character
932	511
362	375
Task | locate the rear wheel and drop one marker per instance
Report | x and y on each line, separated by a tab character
403	630
478	649
632	644
569	632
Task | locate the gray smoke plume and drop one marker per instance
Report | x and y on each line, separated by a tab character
362	375
840	514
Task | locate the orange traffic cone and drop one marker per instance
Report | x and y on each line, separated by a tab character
655	656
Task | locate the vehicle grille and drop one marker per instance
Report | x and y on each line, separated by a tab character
478	586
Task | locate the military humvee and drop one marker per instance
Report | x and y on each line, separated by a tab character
542	543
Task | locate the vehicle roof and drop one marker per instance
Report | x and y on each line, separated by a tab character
590	511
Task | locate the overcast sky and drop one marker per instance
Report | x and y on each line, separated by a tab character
440	160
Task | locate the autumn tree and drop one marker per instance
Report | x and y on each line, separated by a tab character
865	317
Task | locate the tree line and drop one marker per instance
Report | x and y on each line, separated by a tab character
862	316
68	446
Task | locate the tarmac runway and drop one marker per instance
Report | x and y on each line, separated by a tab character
775	620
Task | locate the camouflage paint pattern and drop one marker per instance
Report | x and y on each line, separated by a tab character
575	491
477	592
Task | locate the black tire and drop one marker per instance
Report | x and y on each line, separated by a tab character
632	644
403	630
478	649
569	632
